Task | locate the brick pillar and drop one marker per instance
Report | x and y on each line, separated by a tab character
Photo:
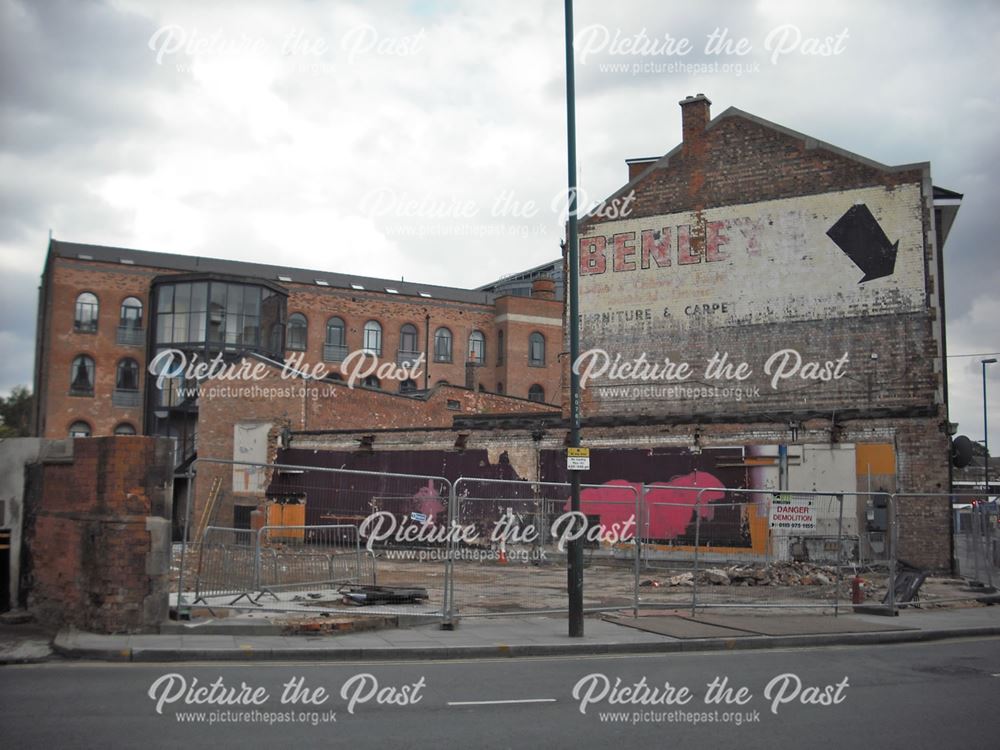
99	535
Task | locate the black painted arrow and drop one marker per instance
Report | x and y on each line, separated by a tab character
861	238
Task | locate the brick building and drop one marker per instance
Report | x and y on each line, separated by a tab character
756	306
105	314
790	294
800	286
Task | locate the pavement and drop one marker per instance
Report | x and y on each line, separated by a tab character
663	631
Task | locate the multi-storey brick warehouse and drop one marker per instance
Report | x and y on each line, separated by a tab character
106	313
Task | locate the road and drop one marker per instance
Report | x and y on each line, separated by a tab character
942	694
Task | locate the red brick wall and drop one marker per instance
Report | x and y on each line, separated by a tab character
98	535
896	387
111	284
302	405
427	316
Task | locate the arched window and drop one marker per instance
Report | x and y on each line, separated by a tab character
124	429
335	347
536	393
126	393
130	322
499	347
298	329
442	345
373	338
127	375
477	347
371	382
85	319
500	387
442	382
408	386
79	429
131	313
409	350
536	350
81	376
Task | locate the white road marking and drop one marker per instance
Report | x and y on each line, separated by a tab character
498	703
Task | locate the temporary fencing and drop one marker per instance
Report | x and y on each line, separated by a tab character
481	546
326	529
512	556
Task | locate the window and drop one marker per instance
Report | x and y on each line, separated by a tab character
124	429
297	332
477	347
85	320
127	375
499	347
536	393
408	339
79	430
126	393
218	316
500	387
335	346
409	350
130	322
536	350
131	313
442	345
82	376
408	386
371	382
373	338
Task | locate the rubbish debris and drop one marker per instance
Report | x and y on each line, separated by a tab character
370	595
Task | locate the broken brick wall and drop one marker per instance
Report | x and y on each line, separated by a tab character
98	535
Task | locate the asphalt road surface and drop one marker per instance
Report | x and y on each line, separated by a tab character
940	695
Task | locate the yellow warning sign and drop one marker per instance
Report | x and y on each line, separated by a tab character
578	459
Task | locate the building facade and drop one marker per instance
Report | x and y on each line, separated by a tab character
756	285
109	317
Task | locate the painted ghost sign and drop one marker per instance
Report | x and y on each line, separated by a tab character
800	294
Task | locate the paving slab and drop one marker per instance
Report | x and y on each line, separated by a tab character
796	624
518	636
676	626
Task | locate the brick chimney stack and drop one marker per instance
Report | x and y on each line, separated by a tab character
695	114
543	288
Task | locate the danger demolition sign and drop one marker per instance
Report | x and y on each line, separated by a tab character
792	514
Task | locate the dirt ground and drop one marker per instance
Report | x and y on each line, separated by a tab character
523	584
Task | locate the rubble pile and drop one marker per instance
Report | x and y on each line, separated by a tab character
775	574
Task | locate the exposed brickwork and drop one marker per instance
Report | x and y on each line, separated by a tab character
98	538
57	408
318	406
67	278
895	389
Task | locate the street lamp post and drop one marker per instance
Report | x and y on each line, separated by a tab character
986	431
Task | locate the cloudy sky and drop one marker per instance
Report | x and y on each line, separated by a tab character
426	139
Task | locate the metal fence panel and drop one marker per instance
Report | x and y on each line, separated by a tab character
512	558
226	564
311	558
347	523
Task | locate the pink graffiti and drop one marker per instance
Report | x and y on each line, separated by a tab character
427	500
668	504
